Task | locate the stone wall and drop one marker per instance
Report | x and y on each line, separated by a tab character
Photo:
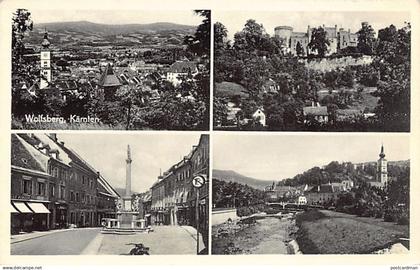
328	64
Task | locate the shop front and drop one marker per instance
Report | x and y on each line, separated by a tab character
27	216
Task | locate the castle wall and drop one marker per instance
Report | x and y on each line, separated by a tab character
328	64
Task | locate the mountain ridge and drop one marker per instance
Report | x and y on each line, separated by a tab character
230	175
112	29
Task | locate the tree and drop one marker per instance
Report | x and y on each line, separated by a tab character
393	63
220	36
21	23
366	39
299	49
200	42
319	41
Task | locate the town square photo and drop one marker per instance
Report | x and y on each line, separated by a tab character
312	71
109	194
119	69
315	194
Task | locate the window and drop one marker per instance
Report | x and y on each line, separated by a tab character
52	190
40	189
77	197
72	196
55	171
83	179
27	186
62	192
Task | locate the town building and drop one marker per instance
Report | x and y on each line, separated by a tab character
179	70
297	43
173	197
259	115
315	112
53	187
322	194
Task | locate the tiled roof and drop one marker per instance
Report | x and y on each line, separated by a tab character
108	78
323	189
26	156
183	67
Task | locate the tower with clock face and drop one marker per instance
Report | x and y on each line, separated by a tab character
45	63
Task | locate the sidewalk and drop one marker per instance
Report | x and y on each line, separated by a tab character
17	238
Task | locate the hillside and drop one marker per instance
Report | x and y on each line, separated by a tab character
228	175
111	29
337	172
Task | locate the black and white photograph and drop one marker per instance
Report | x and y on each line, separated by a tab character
116	69
310	194
109	194
312	71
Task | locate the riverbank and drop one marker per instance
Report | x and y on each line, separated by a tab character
269	235
328	232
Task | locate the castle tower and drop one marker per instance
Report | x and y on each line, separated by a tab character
382	168
45	63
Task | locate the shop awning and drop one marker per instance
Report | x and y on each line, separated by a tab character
12	209
39	208
21	206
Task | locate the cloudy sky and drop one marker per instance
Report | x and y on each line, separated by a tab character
149	152
234	20
186	17
275	157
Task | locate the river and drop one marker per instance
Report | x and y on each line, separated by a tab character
267	236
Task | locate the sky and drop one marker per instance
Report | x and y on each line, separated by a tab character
276	157
149	153
186	17
234	21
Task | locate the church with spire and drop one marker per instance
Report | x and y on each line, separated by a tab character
45	57
381	179
382	168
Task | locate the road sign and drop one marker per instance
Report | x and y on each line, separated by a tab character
198	181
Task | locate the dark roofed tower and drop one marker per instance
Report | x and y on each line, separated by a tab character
382	168
109	83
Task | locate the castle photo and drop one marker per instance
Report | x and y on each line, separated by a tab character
312	71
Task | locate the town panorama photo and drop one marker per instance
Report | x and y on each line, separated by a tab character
312	71
110	70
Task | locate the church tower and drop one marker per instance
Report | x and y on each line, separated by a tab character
45	62
382	168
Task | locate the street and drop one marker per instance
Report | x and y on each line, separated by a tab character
68	242
163	240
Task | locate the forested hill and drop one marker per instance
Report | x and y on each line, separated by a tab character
232	176
337	172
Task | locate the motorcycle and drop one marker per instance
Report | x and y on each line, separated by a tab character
139	249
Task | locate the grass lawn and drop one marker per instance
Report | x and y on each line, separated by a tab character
328	232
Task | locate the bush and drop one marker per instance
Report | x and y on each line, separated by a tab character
403	220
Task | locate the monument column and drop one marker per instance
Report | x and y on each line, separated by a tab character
127	197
